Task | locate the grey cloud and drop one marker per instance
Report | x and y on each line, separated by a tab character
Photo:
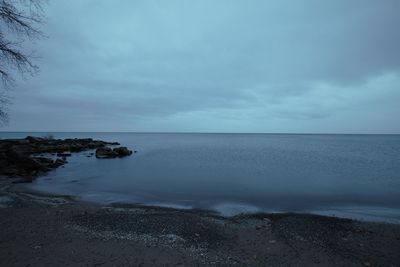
241	61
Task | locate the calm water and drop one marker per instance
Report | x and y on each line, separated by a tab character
345	175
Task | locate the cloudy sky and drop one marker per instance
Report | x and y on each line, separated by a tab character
214	66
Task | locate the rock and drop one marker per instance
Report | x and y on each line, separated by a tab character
59	162
22	181
76	148
23	161
22	149
3	163
122	151
21	157
10	170
267	220
33	139
105	152
113	143
63	154
43	160
93	145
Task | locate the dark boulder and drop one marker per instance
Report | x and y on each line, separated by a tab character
63	154
93	145
76	148
24	163
44	160
122	151
59	162
33	139
3	163
105	152
114	143
86	140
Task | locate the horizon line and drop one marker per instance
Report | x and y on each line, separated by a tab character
183	132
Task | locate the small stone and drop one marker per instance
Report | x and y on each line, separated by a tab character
63	155
272	241
267	220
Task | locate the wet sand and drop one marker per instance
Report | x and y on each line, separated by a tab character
45	230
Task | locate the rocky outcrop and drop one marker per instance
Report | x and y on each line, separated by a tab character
106	152
22	157
122	151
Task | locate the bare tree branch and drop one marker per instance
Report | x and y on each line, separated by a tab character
19	20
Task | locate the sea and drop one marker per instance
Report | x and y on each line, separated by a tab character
350	176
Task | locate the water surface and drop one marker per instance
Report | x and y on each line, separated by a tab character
355	176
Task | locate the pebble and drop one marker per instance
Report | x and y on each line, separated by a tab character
267	220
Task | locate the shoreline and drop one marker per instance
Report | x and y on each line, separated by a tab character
44	229
41	227
332	213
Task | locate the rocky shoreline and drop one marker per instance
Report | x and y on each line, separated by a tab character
50	230
40	229
34	156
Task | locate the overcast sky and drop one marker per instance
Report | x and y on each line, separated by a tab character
215	66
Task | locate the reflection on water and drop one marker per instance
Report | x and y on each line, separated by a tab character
347	175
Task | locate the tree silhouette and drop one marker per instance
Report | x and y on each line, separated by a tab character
19	21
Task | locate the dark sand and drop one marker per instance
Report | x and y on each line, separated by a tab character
44	230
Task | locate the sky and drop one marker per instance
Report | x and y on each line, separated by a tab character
214	66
